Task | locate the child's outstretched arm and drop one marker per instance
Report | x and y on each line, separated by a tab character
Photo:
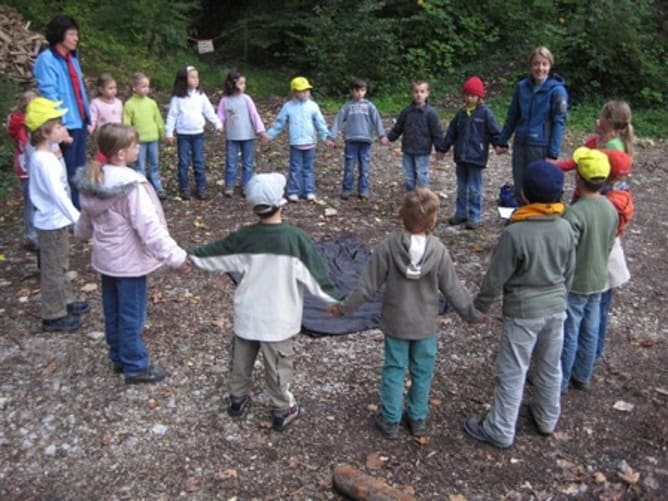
280	122
398	127
455	292
372	279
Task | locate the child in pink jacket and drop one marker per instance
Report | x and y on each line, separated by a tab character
121	212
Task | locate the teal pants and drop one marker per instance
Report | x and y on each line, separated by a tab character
419	357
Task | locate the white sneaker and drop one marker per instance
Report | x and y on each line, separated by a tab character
310	197
293	198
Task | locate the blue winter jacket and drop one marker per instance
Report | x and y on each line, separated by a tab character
304	120
471	135
53	82
537	116
420	127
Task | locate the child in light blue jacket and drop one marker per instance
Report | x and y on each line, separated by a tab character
306	123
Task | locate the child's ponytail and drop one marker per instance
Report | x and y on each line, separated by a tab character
619	114
111	138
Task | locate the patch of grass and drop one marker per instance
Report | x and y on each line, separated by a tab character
9	91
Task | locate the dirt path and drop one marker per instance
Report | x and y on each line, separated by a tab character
71	429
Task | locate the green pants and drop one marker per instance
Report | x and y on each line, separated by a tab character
278	360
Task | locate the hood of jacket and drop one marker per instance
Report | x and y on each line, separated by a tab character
400	245
118	183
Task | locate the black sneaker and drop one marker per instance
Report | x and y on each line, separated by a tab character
238	405
579	385
162	195
202	195
417	427
78	308
153	374
280	420
455	220
473	225
62	324
389	430
185	195
117	368
473	428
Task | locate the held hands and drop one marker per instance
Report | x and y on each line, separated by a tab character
330	143
170	140
264	139
501	150
90	129
384	141
335	310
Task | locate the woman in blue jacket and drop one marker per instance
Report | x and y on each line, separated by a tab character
537	115
59	78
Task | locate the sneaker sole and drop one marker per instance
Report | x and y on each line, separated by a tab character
289	422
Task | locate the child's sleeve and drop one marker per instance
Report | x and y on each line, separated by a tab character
493	128
320	124
127	113
83	229
512	117
94	113
398	127
50	179
313	274
220	256
280	122
454	291
435	130
373	277
559	110
501	266
255	118
159	122
221	110
171	117
339	120
151	229
451	134
209	113
377	121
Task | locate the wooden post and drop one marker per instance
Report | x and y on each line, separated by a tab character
361	487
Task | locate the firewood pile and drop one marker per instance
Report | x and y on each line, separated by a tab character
18	45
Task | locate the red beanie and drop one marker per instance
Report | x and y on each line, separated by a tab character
474	87
620	163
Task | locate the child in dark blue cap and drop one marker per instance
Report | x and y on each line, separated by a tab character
532	266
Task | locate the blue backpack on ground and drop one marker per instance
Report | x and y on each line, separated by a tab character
507	196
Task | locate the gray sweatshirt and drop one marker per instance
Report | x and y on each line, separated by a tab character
411	300
359	120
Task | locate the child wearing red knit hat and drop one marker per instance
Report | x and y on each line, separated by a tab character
471	131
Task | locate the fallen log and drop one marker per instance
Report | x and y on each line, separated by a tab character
359	486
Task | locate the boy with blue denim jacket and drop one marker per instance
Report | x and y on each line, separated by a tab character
471	131
360	121
420	128
594	222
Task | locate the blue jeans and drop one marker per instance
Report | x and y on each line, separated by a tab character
232	149
191	146
301	176
419	357
147	163
416	171
356	152
74	155
469	192
28	213
124	301
580	338
606	306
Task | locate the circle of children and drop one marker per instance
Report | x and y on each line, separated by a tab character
555	267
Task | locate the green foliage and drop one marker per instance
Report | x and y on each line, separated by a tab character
9	91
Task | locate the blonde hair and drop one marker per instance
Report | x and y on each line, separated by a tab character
102	81
619	113
38	136
111	138
137	78
24	98
542	52
418	210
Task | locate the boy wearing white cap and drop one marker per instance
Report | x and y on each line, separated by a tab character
54	214
276	262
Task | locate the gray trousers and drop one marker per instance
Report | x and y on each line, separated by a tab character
525	341
54	262
278	369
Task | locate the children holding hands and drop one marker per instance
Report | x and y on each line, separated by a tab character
242	123
142	113
471	131
360	122
188	109
304	119
122	214
420	128
415	268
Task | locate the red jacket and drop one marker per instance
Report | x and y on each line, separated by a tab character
17	131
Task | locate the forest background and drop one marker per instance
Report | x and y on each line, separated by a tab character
604	48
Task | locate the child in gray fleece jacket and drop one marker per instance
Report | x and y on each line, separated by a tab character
415	268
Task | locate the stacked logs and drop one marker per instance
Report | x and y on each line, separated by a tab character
18	46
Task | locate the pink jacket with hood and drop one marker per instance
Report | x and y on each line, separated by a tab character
124	218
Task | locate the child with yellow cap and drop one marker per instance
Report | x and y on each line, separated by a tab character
305	121
594	222
54	214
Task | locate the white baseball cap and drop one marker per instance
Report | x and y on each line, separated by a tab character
264	192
